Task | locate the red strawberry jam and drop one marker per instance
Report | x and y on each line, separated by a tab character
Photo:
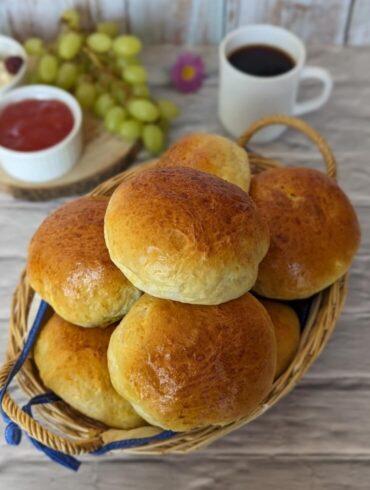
34	124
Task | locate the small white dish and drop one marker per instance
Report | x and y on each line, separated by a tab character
50	163
11	47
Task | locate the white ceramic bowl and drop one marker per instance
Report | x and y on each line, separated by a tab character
51	163
11	47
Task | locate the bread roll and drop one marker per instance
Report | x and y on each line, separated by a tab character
72	362
185	235
69	266
314	232
287	333
185	366
210	153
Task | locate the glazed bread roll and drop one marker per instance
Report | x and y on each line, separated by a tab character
72	362
182	234
210	153
314	232
186	366
287	333
69	266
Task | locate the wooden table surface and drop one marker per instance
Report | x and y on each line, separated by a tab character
318	437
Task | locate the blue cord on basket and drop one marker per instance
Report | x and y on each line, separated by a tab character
13	433
23	355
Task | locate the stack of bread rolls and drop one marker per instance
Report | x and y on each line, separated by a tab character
167	296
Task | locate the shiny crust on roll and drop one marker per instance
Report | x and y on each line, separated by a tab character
182	234
212	154
72	362
287	332
314	232
69	266
186	366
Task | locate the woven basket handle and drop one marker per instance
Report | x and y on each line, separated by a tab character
35	429
294	122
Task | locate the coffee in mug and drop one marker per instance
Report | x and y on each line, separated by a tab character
261	60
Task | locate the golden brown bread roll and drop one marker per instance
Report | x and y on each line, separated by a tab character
287	333
72	362
69	266
182	234
184	366
210	153
314	232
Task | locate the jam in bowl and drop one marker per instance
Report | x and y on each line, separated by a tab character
40	133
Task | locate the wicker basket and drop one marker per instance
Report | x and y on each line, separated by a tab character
63	429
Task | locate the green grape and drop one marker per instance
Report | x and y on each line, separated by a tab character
130	130
108	28
103	103
69	45
153	138
114	117
135	74
99	42
167	109
118	92
34	46
143	110
85	94
126	45
67	75
122	63
72	18
141	90
48	68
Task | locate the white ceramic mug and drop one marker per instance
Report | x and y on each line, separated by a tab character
244	98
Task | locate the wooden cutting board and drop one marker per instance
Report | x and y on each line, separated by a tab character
103	155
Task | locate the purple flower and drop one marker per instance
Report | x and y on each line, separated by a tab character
187	74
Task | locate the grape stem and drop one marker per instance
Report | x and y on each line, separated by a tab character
101	66
95	60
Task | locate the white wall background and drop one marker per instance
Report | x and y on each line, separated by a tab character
198	21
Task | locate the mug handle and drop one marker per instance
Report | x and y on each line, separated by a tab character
314	73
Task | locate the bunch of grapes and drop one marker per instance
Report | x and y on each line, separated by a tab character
104	73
